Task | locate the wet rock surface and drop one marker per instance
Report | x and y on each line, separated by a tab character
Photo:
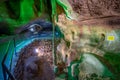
31	65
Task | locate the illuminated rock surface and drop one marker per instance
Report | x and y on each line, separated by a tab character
32	65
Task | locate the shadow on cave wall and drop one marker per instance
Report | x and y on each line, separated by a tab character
5	29
114	22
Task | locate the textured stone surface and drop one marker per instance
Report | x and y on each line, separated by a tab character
96	8
25	68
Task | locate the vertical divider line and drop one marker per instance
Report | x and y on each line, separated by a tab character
53	3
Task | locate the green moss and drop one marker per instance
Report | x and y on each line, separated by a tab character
114	60
26	12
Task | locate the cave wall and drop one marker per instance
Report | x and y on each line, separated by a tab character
95	20
18	13
96	8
